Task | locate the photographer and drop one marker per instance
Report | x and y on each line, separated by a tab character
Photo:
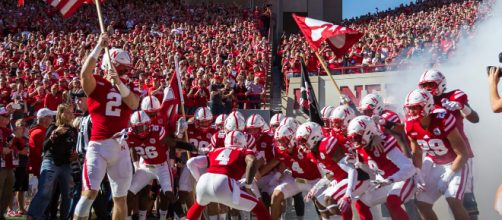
61	139
493	80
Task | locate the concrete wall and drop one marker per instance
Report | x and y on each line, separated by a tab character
355	86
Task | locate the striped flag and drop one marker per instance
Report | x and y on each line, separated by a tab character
66	7
172	99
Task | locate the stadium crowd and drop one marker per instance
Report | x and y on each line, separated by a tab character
424	30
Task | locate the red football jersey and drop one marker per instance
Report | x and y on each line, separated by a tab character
229	161
460	97
324	157
326	131
263	146
299	162
109	114
152	148
377	160
433	140
218	140
200	138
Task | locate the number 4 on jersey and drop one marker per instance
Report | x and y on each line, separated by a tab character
224	157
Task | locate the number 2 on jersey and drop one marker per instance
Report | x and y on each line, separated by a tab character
224	156
114	100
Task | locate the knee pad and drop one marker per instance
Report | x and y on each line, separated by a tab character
470	204
83	207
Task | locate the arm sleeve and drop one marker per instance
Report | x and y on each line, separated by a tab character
195	164
352	175
185	146
406	168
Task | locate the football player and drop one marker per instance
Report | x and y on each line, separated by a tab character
110	104
393	170
443	170
339	120
275	121
234	122
220	121
456	102
150	142
304	173
225	166
325	113
332	195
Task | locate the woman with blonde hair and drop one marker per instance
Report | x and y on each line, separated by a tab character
58	152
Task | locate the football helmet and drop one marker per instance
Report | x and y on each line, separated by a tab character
361	130
234	122
255	124
121	60
371	104
340	117
290	122
433	81
203	117
220	121
325	112
150	104
140	123
418	103
283	136
308	134
235	139
275	120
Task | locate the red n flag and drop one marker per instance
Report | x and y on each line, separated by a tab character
339	38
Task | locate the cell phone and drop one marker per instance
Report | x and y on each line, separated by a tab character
488	70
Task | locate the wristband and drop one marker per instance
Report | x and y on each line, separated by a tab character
466	110
96	51
248	186
124	91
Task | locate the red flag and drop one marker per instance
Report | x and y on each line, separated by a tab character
66	7
339	38
169	108
20	3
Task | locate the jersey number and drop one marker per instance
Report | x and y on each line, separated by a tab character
114	100
224	156
296	167
199	144
149	152
434	147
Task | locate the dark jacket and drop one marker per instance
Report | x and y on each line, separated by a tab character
61	148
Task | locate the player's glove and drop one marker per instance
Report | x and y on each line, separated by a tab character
344	100
181	127
445	180
451	105
344	203
418	178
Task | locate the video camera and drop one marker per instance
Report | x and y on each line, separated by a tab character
500	68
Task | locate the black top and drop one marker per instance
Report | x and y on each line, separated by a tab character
61	149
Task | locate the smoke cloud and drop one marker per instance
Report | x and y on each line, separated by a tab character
466	71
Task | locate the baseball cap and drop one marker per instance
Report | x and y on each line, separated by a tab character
44	112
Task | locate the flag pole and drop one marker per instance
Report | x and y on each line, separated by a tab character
182	100
103	30
325	67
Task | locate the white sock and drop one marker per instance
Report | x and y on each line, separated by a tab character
222	216
213	217
163	214
142	214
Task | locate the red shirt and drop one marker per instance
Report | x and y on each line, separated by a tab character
324	158
200	138
36	140
152	148
434	139
109	114
299	162
377	160
5	159
229	161
52	101
460	97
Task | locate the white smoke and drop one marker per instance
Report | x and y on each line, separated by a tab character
467	71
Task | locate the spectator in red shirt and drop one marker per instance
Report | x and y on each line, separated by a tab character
53	99
6	166
45	117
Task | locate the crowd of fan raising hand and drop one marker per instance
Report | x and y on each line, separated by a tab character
224	48
426	31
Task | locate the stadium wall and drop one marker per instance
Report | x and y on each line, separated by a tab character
353	85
